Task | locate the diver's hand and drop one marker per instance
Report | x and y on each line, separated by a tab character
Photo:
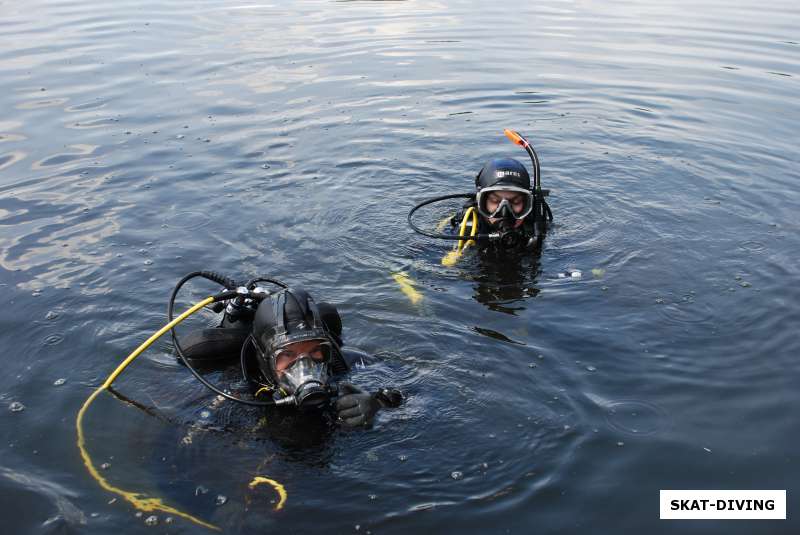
355	407
390	398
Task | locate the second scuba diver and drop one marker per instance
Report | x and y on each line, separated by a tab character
290	351
506	212
504	202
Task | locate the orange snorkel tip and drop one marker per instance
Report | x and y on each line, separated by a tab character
515	137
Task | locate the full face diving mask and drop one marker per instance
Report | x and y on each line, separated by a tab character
302	370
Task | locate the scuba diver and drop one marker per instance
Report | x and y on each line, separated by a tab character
504	202
506	212
290	352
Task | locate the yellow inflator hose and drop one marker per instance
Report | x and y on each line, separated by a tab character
451	258
141	501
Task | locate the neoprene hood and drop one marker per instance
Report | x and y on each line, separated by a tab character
503	172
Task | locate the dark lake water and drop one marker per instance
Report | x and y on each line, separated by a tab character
143	140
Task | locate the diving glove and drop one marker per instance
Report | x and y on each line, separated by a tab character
357	408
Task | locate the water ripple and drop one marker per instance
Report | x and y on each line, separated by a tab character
635	417
53	339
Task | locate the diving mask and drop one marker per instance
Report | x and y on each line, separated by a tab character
302	371
517	206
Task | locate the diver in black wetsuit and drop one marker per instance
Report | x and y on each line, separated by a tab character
506	212
504	203
291	355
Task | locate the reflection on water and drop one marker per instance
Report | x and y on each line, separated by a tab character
141	141
504	280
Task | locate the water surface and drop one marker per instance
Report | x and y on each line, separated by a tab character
142	140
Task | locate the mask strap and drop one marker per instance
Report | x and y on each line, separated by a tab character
278	305
312	306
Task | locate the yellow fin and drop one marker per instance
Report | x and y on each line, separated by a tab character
407	287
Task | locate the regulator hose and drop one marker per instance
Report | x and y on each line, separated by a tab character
456	237
439	235
252	282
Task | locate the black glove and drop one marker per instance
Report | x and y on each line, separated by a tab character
355	407
389	397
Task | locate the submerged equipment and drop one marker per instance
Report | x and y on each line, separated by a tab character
406	284
506	175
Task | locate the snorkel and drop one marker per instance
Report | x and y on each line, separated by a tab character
506	234
517	138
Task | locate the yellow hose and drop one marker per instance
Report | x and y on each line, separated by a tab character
258	480
474	230
451	258
139	501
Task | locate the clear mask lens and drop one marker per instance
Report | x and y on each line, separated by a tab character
506	202
314	350
302	371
